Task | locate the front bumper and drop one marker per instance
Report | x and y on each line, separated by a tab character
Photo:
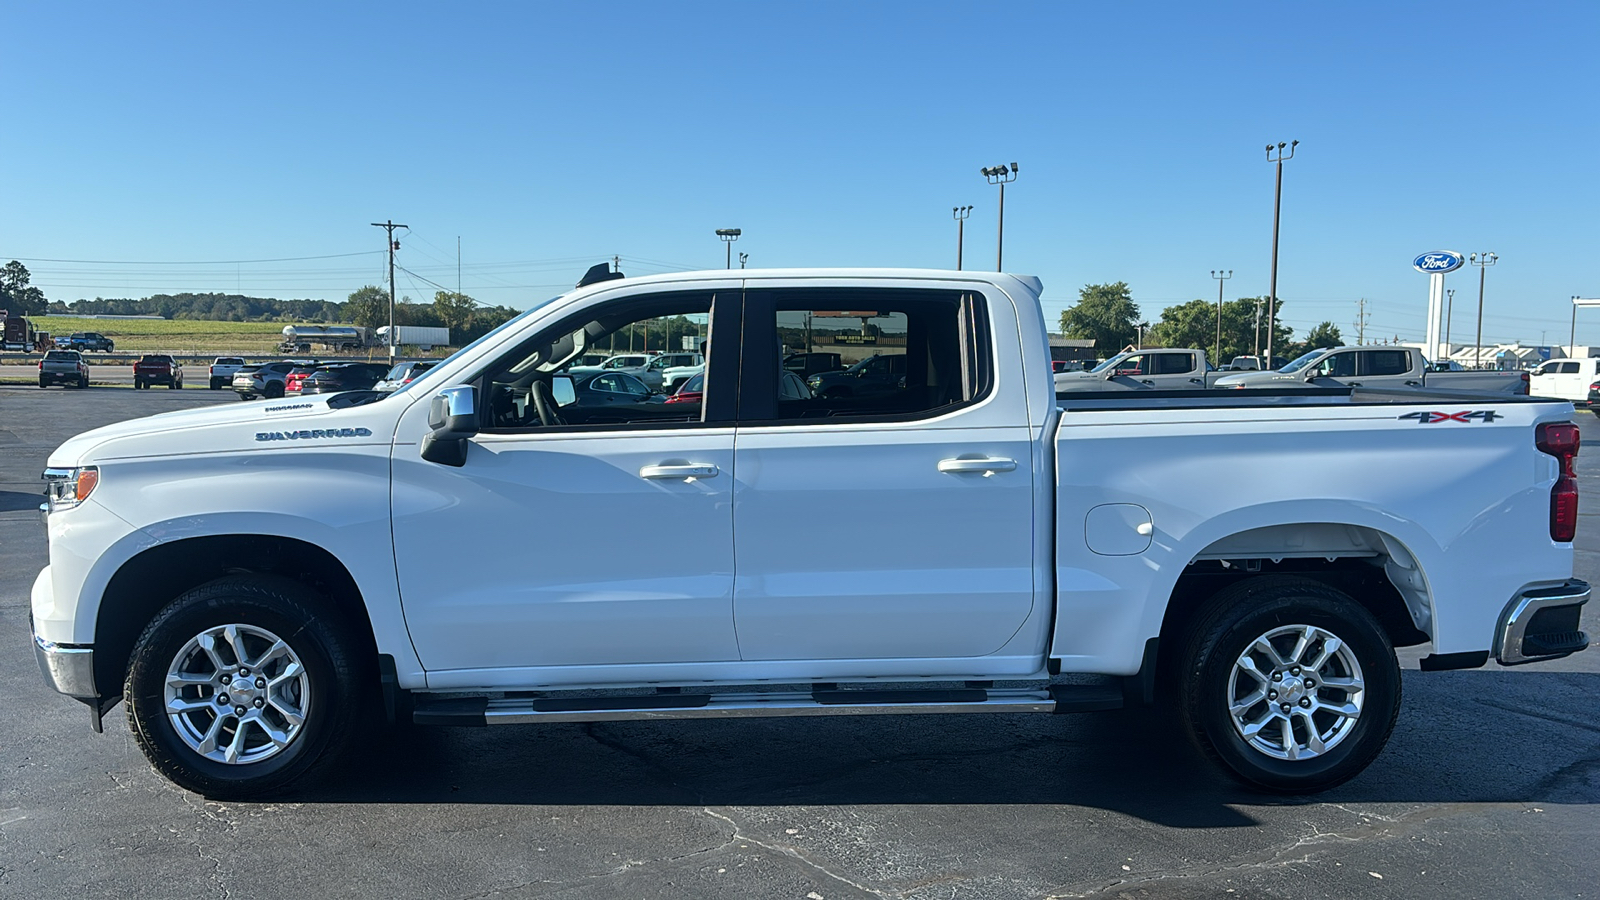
69	668
1542	624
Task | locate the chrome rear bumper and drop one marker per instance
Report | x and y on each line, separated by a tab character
1542	624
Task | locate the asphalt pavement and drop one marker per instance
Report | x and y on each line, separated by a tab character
1490	786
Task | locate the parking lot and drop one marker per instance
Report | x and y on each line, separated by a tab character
1489	787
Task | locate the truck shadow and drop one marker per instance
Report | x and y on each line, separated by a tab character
15	501
1463	737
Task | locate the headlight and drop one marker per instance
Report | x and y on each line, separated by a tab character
67	488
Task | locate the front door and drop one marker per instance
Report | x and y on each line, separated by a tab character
887	524
573	536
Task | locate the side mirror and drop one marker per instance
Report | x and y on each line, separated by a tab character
453	416
563	390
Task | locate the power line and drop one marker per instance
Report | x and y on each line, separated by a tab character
213	262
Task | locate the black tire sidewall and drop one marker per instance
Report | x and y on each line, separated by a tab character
1232	630
314	639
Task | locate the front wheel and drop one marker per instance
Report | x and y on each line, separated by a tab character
175	385
241	686
1291	685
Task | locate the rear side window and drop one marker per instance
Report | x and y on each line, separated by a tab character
1569	368
1387	362
903	354
1174	364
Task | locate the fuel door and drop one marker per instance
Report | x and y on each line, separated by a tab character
1118	529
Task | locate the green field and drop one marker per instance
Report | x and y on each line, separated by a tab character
173	335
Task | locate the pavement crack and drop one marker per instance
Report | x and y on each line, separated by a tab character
794	854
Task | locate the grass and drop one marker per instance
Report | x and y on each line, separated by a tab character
179	336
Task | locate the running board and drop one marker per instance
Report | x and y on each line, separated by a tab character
478	711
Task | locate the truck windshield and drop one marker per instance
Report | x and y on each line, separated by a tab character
1304	360
1110	362
494	332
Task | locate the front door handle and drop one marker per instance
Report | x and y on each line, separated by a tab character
1196	381
1147	381
988	465
688	471
1353	383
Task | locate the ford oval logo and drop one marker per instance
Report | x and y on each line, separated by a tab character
1438	262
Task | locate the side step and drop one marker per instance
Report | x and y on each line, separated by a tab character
478	711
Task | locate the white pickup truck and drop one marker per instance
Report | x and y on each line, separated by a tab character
261	582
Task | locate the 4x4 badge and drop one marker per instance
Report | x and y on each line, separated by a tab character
1430	418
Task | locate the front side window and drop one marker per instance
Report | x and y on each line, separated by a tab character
517	388
904	354
1338	365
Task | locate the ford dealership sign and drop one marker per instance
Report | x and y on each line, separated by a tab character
1438	262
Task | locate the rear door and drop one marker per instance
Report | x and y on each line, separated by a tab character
1385	367
887	525
1176	371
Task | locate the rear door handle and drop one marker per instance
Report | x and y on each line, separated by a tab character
686	471
1147	381
1196	381
988	466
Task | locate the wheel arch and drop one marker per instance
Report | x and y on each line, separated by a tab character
1372	564
156	576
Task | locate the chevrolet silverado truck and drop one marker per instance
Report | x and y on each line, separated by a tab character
261	584
63	367
1385	366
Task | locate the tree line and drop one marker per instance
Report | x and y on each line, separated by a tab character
367	306
1108	315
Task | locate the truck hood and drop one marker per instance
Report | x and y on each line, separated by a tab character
1260	379
242	427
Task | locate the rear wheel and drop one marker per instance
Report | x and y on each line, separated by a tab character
175	384
83	382
138	384
1291	685
274	390
242	685
43	383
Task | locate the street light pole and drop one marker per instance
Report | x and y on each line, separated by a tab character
1002	176
1217	274
388	225
960	213
1277	203
728	236
1258	329
1572	340
1449	310
1483	261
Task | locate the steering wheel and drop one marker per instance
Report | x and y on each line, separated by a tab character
544	403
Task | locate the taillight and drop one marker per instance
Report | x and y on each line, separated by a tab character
1594	387
1525	382
1561	440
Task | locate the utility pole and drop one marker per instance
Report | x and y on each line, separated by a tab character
1361	321
1002	176
1277	204
1483	261
389	226
1217	274
961	213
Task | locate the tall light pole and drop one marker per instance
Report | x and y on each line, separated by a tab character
1572	340
728	236
1449	310
1277	204
1258	329
1220	277
1483	261
389	226
960	213
1002	176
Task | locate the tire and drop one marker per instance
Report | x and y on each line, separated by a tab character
247	396
274	390
83	383
43	383
138	385
1351	726
175	385
216	385
194	747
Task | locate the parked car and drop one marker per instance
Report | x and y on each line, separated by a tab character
808	364
402	374
223	368
157	368
298	374
63	367
86	340
1382	366
978	545
265	380
877	375
676	368
337	377
635	364
1565	379
1145	370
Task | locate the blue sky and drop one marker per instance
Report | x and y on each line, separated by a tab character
551	136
